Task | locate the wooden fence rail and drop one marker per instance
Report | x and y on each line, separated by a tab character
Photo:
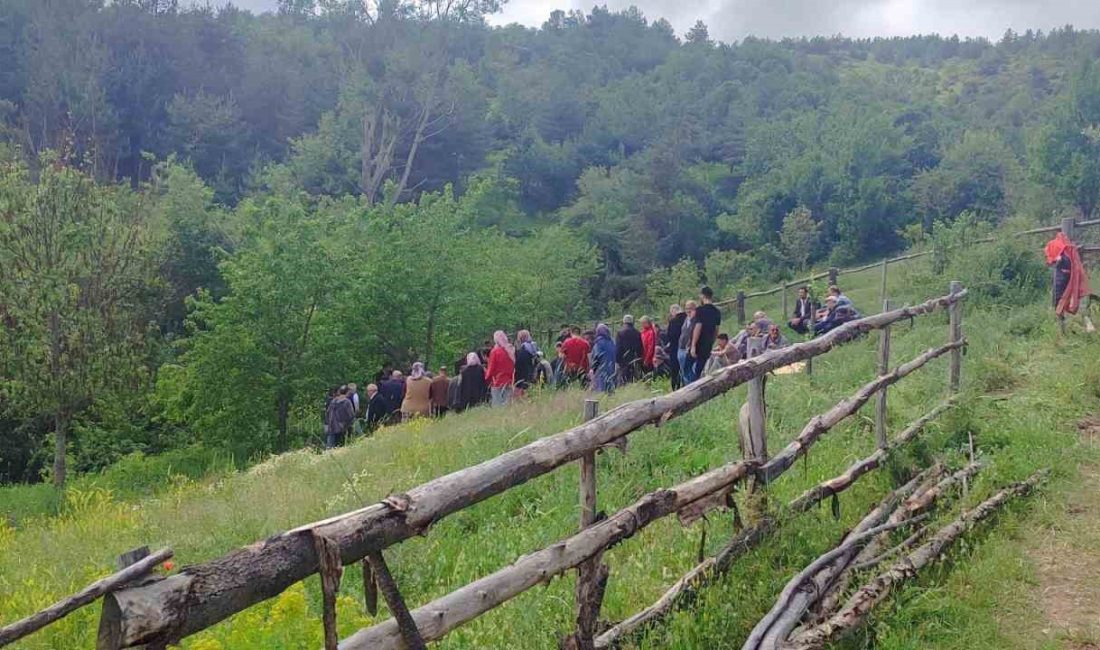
444	614
201	596
1068	226
165	610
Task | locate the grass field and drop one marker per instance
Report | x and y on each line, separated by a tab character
1024	390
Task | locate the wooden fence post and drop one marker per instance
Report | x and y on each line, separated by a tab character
834	274
757	439
1069	226
754	435
591	575
740	307
588	472
883	368
783	313
955	334
882	288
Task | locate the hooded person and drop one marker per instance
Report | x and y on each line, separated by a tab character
418	389
472	388
501	371
1071	280
604	355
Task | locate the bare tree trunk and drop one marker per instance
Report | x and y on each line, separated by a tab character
379	139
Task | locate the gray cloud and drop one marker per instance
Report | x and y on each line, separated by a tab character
735	19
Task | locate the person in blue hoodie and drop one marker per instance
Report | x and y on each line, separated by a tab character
603	360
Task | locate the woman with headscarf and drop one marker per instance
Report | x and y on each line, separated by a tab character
472	388
417	400
501	372
527	361
603	360
1071	281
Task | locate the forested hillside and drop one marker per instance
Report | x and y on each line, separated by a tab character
209	216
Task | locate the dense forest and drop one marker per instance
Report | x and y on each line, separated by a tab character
210	216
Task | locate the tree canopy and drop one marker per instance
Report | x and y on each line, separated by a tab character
300	196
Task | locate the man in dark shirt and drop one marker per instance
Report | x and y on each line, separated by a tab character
629	351
705	324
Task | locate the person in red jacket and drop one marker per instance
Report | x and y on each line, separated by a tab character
501	373
575	350
649	343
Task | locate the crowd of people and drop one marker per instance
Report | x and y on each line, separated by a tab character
690	345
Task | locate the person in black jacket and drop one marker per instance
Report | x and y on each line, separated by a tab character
473	389
804	309
393	390
378	410
676	318
629	351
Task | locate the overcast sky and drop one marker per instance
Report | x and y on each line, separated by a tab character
735	19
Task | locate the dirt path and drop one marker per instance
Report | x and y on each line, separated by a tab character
1067	558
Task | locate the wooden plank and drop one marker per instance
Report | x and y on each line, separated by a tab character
132	557
741	307
783	310
331	571
833	276
203	595
1038	231
592	574
882	292
954	378
370	589
14	631
444	614
883	367
407	630
755	443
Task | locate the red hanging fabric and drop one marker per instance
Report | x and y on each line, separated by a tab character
1078	285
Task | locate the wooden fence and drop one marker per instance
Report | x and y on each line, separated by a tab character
162	611
1068	225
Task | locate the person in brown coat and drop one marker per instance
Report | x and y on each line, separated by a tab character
417	400
437	392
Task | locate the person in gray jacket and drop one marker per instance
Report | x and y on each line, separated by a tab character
686	369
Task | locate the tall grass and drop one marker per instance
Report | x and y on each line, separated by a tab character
1038	386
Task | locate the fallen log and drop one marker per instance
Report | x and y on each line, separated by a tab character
710	568
919	502
202	595
59	610
859	606
794	601
444	614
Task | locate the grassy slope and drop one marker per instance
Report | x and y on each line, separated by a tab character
1012	355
